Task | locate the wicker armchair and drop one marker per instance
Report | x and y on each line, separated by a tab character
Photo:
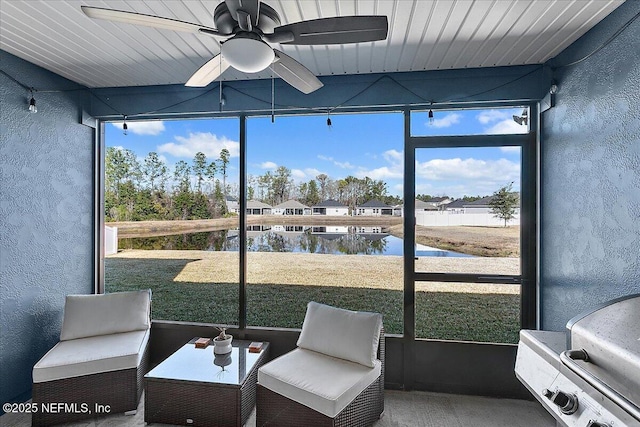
320	384
98	366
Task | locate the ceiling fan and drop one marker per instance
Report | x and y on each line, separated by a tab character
248	26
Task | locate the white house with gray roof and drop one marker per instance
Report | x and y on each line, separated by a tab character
421	206
255	207
457	206
291	207
330	207
483	205
374	208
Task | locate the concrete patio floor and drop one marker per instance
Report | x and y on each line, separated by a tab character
402	409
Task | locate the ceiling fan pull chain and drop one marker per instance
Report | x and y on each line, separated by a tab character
273	90
220	95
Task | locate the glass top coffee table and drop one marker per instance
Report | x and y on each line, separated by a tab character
197	388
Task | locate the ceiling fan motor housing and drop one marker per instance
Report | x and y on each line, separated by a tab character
268	19
223	20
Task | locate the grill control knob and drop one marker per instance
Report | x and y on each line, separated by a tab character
568	403
597	424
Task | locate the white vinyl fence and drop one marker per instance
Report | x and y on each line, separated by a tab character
110	240
444	219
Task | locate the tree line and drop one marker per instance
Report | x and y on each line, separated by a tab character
138	190
147	190
278	186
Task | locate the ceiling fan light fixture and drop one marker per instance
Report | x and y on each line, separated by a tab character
247	53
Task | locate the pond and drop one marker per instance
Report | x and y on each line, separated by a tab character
348	240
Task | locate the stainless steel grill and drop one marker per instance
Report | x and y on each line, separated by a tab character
590	375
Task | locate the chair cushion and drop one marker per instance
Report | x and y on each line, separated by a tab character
92	355
349	335
92	315
325	384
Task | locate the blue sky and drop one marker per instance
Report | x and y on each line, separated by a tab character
356	144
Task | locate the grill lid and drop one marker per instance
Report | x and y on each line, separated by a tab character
610	336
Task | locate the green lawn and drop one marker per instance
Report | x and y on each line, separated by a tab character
439	315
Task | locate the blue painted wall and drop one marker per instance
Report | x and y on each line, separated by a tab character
590	226
46	201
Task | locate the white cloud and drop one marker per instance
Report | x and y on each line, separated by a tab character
342	165
491	171
268	165
382	173
313	172
393	170
298	174
393	156
490	116
446	121
455	190
205	142
507	127
154	127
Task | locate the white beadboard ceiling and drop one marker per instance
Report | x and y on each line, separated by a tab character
423	35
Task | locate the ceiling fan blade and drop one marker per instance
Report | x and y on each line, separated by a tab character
210	71
294	73
146	20
338	30
245	12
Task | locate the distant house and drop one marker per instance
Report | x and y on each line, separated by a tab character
255	207
424	206
330	207
374	208
438	201
291	207
420	206
483	206
457	206
232	205
330	232
290	229
366	231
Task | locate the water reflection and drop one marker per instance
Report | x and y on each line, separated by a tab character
318	239
202	241
350	240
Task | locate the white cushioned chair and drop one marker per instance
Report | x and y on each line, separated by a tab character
335	377
101	358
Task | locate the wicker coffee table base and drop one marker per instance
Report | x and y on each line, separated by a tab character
203	404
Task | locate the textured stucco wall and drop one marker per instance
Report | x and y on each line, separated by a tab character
590	204
46	201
